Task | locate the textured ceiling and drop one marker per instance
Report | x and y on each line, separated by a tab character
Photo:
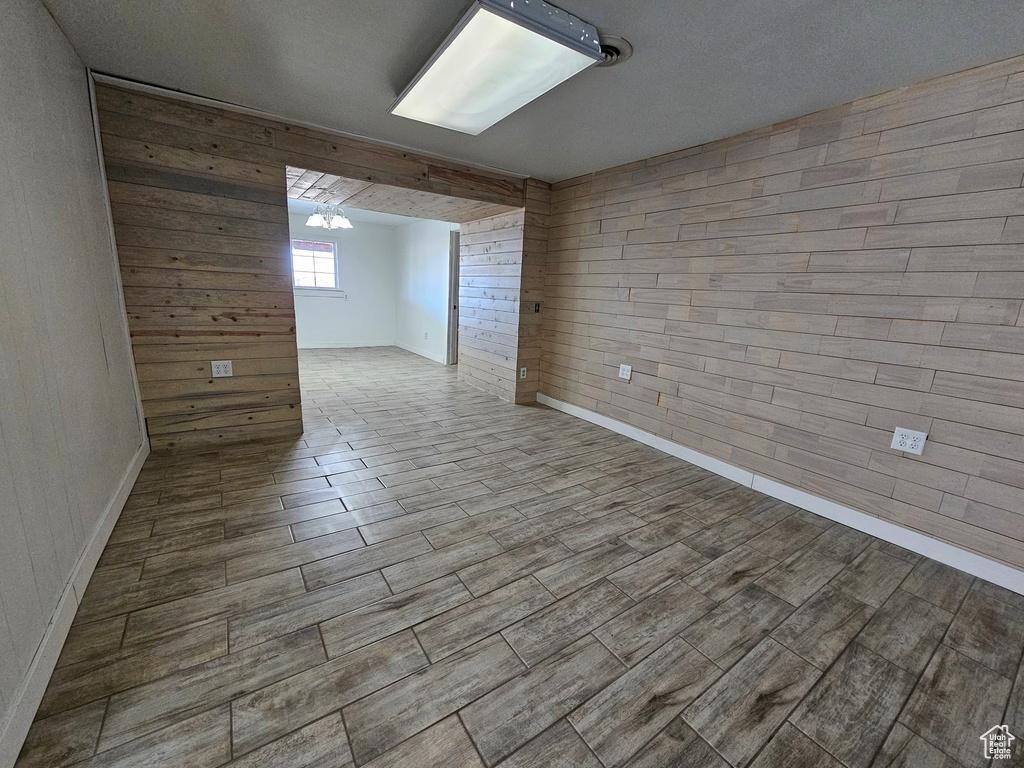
703	69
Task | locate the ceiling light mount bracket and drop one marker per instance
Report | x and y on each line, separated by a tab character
615	50
548	21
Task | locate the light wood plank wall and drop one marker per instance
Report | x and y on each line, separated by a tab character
789	296
535	246
199	205
501	293
490	274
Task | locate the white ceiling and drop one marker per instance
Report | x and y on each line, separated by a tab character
305	207
702	70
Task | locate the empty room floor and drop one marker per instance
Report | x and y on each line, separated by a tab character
433	577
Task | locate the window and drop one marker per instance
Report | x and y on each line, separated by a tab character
314	265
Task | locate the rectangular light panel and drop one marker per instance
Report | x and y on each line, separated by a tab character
490	66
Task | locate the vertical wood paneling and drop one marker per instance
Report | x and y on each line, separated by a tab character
69	426
22	602
199	203
789	296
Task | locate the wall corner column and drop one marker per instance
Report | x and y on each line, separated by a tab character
531	293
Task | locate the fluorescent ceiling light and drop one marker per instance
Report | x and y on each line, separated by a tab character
502	55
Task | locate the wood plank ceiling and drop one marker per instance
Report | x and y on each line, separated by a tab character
354	193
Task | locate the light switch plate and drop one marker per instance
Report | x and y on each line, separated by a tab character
908	440
221	368
625	372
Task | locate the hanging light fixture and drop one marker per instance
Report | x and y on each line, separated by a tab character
328	217
501	55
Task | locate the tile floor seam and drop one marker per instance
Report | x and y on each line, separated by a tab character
917	680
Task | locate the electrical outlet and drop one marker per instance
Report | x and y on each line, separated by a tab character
908	440
425	334
221	368
522	373
625	372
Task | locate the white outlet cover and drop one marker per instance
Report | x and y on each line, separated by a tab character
908	441
625	372
522	373
221	368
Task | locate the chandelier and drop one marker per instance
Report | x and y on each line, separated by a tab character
328	217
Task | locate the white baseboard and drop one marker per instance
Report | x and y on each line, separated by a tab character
347	344
354	344
26	702
717	466
958	558
420	352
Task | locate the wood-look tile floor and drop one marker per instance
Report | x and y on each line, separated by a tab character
432	577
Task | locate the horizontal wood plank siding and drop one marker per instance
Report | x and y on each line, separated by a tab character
198	196
535	246
490	274
789	296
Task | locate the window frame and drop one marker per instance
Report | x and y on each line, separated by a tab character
337	266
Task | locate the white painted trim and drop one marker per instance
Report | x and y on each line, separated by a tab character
717	466
391	343
451	356
139	412
922	544
26	702
349	344
321	293
420	352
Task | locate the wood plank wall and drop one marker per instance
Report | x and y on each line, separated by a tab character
199	205
490	273
535	246
789	296
501	284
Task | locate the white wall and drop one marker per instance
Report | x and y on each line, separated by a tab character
422	288
362	313
71	437
394	288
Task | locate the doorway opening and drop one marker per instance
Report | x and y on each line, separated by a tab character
389	276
